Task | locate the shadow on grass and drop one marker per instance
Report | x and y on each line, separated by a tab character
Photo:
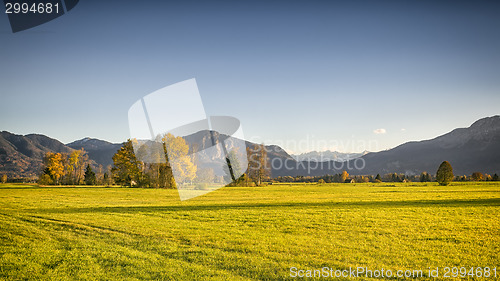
272	205
19	186
41	187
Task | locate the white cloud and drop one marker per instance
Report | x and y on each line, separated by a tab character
403	130
379	131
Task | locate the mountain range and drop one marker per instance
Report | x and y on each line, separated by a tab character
476	148
22	156
328	155
98	150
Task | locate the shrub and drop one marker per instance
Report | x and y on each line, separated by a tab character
444	174
477	176
45	180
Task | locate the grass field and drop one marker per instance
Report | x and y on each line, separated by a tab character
245	233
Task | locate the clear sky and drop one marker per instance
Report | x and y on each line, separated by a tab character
308	75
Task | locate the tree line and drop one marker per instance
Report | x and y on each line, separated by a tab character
72	169
128	170
443	175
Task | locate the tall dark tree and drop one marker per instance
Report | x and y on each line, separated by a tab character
378	178
444	174
495	177
89	177
425	177
105	179
233	167
395	178
127	170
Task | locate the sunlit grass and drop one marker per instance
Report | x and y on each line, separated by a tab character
244	233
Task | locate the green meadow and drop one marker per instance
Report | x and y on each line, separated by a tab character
247	233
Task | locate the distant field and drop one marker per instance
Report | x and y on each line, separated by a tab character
245	233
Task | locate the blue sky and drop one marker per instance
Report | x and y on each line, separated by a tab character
313	71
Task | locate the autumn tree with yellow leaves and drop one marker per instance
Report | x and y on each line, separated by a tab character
176	153
54	168
344	176
167	154
160	158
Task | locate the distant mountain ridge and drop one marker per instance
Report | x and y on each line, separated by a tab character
23	155
203	140
26	160
476	148
98	150
328	155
